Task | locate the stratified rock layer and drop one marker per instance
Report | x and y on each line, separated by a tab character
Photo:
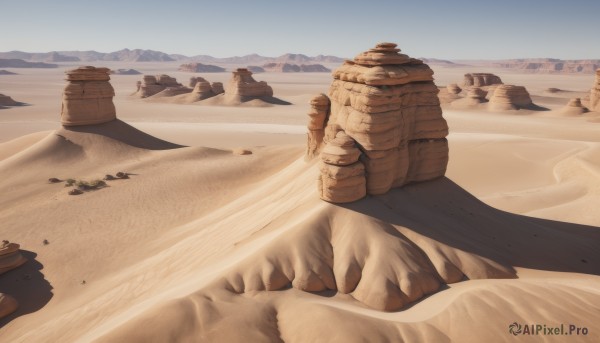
481	80
387	103
510	97
87	98
316	125
152	85
574	107
595	94
10	256
244	85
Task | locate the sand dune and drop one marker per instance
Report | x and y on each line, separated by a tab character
202	239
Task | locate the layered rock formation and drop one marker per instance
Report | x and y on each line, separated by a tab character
474	97
387	103
152	85
87	98
244	85
316	124
197	67
342	177
204	89
510	97
549	65
481	80
574	107
595	94
10	258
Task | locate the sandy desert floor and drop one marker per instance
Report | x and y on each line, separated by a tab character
201	243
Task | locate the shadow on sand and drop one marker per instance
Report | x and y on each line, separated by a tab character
445	212
27	285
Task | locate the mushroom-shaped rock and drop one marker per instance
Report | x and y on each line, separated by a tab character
244	85
510	97
316	124
87	98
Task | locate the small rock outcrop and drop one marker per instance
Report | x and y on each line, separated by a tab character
481	80
595	94
244	85
196	67
203	89
574	107
474	97
5	100
125	72
10	258
387	103
295	68
453	88
342	177
316	124
87	98
510	97
152	85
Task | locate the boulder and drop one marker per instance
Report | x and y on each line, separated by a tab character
87	98
510	97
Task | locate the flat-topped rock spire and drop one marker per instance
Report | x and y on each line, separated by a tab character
87	98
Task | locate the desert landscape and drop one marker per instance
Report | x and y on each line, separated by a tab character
376	197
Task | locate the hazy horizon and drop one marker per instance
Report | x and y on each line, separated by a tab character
459	30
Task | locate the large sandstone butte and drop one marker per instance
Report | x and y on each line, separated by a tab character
481	80
152	85
595	94
383	104
242	84
510	97
87	98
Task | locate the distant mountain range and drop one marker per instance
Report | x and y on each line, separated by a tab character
139	55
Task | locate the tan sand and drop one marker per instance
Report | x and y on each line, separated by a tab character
203	243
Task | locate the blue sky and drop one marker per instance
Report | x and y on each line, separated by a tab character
441	29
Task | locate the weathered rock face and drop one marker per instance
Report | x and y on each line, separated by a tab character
453	89
200	68
595	94
87	98
342	176
387	103
316	125
196	79
10	256
217	87
243	84
152	85
574	107
510	97
481	80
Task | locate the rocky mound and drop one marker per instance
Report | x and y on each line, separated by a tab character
5	100
386	104
87	98
197	67
574	107
152	85
453	88
203	89
18	63
510	97
595	94
295	68
244	85
474	97
481	80
125	72
6	72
